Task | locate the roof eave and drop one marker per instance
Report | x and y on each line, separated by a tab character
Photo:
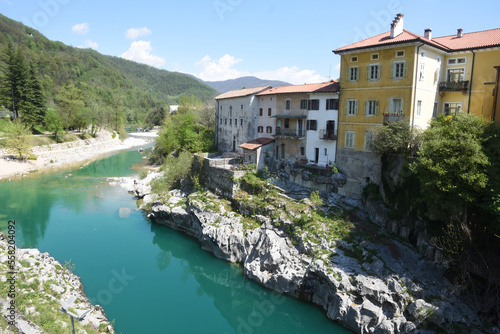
416	40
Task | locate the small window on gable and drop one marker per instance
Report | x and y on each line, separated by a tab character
374	56
400	53
354	59
422	53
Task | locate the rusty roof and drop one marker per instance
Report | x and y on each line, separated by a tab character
256	143
241	92
324	87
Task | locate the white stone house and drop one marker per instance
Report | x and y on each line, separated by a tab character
236	118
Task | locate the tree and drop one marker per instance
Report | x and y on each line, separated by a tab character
53	123
69	100
33	104
452	165
19	139
397	138
13	79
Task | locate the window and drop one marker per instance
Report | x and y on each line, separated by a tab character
353	73
313	105
269	129
241	107
374	56
260	129
452	108
225	121
302	150
396	106
371	107
400	53
287	104
326	151
220	121
261	112
230	122
435	110
269	111
287	123
373	72
351	107
332	104
419	108
241	121
231	111
456	61
303	104
349	139
455	74
422	54
368	140
399	69
220	108
235	122
354	59
312	124
421	72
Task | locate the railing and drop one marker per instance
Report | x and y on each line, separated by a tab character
289	132
392	117
453	86
328	134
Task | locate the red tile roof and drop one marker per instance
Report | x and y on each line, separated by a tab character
473	40
241	92
324	87
255	144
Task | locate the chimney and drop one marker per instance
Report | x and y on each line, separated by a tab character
397	25
459	32
428	33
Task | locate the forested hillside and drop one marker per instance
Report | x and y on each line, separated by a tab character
110	87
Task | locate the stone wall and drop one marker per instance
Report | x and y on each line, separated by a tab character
217	175
365	166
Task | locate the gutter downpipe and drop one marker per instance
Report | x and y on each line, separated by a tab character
416	80
471	77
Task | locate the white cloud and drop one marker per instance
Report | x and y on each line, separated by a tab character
134	33
140	51
223	69
82	28
91	44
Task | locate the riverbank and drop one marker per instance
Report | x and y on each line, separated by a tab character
33	290
80	151
368	280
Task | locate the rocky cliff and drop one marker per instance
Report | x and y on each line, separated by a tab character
368	281
34	286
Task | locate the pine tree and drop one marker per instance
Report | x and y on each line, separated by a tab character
33	104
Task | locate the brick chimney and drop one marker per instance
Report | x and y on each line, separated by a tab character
397	25
428	33
459	32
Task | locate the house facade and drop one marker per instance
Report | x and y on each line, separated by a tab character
236	118
306	122
399	75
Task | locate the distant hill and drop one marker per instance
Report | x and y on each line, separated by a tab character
243	82
111	83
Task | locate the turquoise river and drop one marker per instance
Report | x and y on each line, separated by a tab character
147	277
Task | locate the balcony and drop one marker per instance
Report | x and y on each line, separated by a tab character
327	134
454	86
289	133
392	117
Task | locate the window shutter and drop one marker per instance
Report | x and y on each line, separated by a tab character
405	69
346	107
376	107
348	74
367	105
393	65
379	71
356	107
367	76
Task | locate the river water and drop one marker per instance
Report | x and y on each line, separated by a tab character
147	277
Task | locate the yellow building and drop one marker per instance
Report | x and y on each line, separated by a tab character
401	75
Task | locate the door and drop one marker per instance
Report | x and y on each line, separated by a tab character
316	155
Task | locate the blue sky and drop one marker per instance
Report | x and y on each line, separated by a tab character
224	39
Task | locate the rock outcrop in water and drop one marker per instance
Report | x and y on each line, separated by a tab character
377	284
40	286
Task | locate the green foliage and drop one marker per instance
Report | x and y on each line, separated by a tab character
175	170
452	165
396	138
53	123
253	183
316	198
19	139
181	132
